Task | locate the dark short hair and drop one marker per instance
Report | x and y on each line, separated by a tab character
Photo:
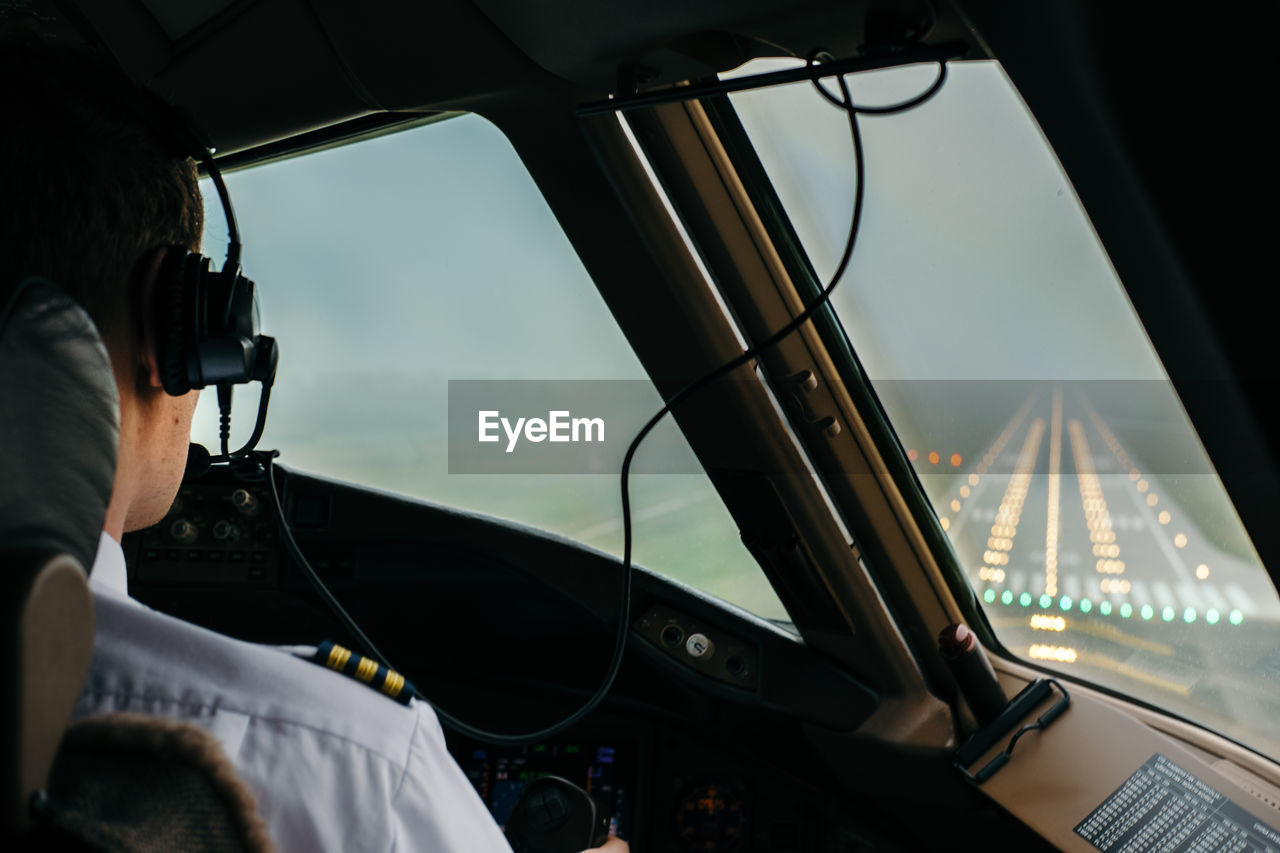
88	184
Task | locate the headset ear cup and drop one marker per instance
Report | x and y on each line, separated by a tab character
172	336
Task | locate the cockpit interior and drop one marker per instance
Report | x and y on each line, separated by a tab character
1044	319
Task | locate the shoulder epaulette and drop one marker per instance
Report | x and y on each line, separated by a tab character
365	670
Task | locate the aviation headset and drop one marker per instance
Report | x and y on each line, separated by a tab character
207	320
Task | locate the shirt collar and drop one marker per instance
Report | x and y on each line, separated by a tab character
109	574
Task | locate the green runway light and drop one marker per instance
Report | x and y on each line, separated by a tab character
1006	597
1147	611
1189	615
989	596
1167	614
1046	601
1211	616
1105	608
1025	599
1065	602
1126	610
1236	617
1085	605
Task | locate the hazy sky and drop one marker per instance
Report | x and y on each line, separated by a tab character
974	260
389	267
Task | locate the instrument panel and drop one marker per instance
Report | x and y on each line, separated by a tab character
676	793
607	771
224	534
700	747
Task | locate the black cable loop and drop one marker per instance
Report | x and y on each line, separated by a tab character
851	110
817	57
624	595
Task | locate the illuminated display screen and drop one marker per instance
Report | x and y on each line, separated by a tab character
605	771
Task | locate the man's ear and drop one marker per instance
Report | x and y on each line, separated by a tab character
147	332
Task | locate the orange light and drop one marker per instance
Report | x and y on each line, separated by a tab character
934	457
912	454
956	459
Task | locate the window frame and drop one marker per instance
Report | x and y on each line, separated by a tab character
690	155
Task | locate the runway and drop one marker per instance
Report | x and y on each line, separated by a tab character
1087	562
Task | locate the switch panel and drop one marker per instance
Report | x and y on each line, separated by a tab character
702	647
215	532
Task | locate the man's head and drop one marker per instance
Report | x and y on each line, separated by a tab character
93	193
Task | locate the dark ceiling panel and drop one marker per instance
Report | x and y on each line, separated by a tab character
178	19
268	74
586	41
124	29
256	71
445	55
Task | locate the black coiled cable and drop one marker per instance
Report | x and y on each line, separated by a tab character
852	110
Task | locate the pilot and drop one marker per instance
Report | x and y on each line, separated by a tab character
92	198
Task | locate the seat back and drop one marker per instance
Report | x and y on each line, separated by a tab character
59	430
143	784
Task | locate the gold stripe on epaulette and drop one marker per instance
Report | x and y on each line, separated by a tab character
393	683
366	669
338	657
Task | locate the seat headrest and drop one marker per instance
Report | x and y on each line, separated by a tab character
59	423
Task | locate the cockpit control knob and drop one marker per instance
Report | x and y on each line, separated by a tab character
183	531
553	815
225	531
245	502
700	646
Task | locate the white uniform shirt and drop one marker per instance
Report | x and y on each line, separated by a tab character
335	765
